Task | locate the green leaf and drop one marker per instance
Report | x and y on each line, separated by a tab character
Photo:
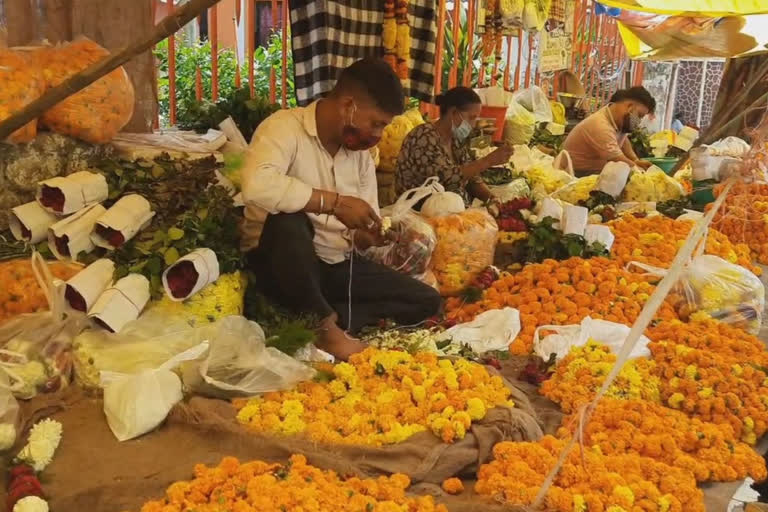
158	171
175	233
171	256
154	265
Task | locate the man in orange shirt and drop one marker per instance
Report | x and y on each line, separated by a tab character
603	136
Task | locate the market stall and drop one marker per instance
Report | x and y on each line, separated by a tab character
601	346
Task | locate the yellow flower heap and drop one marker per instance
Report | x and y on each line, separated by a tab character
381	397
263	487
582	372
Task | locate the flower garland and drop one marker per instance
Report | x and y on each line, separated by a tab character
581	373
563	293
588	480
639	427
379	398
656	240
264	487
25	494
396	37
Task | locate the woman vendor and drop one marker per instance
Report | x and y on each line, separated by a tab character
441	149
603	136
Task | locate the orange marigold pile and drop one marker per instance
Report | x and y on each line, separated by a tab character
640	427
716	376
743	218
563	293
656	240
588	481
263	487
20	293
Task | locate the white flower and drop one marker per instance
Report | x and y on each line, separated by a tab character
7	436
31	504
43	441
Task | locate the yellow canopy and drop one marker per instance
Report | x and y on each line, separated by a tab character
714	8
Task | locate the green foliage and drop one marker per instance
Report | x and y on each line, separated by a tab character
545	242
641	143
542	136
190	58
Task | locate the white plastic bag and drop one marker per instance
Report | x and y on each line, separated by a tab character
565	337
558	162
535	100
441	204
240	364
137	403
411	252
9	415
513	190
519	125
491	330
613	178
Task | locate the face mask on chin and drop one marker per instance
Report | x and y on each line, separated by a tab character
355	139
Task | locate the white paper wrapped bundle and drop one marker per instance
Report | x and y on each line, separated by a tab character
85	287
613	178
30	222
66	195
190	274
549	207
599	233
121	303
72	235
574	220
122	221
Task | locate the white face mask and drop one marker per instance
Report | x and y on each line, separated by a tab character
461	132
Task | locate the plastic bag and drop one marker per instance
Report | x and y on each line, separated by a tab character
137	403
42	340
512	190
519	125
9	415
466	243
96	113
577	190
21	83
491	330
613	178
240	364
411	252
652	185
535	100
564	337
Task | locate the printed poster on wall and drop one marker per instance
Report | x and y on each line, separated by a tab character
555	52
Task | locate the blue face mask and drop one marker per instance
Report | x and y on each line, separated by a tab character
461	132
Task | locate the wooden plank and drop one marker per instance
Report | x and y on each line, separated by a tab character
97	70
22	22
58	20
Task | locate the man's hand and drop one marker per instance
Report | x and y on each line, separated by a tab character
501	155
644	164
356	214
365	239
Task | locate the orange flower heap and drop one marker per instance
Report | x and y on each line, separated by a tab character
381	397
262	487
581	373
656	240
744	218
563	293
588	481
717	377
639	427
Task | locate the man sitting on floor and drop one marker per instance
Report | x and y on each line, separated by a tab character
309	186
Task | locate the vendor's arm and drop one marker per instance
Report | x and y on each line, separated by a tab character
603	144
267	185
500	156
479	190
629	152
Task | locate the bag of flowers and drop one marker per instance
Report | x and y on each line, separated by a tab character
466	243
94	114
21	83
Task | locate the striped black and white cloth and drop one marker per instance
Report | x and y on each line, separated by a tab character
329	35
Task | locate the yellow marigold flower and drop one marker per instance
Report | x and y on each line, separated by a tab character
346	372
292	424
438	425
463	418
579	504
459	429
749	423
624	496
386	397
675	400
665	503
291	408
249	411
448	412
691	371
337	388
418	393
706	393
476	409
453	486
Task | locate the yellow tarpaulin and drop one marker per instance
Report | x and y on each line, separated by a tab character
693	7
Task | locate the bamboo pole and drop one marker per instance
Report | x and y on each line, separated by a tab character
509	63
453	75
519	58
439	43
79	81
213	32
467	79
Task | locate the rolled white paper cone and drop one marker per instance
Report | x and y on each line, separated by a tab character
574	219
93	280
599	233
34	218
550	208
77	228
122	302
129	215
613	178
206	265
80	189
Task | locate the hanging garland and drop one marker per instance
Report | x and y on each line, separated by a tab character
396	36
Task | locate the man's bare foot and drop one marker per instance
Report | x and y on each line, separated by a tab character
332	339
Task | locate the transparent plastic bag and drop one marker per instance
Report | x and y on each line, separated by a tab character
240	364
411	252
21	83
9	415
535	100
466	243
562	338
519	125
98	112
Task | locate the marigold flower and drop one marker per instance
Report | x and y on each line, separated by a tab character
453	486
